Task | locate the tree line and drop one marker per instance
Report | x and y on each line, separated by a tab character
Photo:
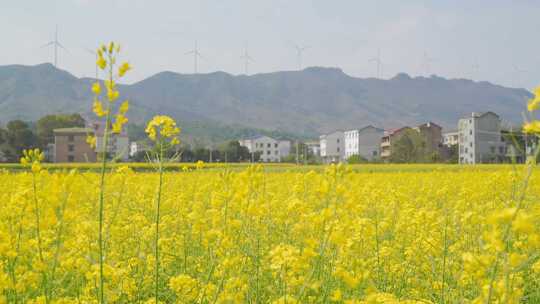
18	135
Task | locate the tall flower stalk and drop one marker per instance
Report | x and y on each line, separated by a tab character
107	56
33	158
162	130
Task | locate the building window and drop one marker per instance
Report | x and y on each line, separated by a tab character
71	158
338	149
492	149
337	140
268	152
275	145
470	132
501	150
71	148
269	145
276	152
71	138
374	153
470	144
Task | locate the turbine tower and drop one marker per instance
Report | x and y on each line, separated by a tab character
246	59
56	44
518	72
196	55
426	63
299	51
475	67
378	61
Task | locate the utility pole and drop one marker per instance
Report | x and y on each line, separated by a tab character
305	155
297	159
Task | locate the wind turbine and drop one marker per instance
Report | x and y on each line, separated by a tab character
56	45
95	54
196	55
475	67
426	63
299	51
378	61
518	72
246	59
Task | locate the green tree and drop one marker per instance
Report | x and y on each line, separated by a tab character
408	148
232	151
3	136
19	137
453	154
356	159
46	125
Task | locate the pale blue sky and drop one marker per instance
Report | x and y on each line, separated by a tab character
500	37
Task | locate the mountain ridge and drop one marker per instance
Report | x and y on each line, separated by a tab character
306	102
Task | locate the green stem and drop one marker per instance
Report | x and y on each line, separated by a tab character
102	192
38	236
158	202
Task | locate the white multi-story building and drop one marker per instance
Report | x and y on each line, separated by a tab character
480	139
332	147
138	146
270	149
450	138
365	142
118	144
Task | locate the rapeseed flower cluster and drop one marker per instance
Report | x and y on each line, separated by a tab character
533	106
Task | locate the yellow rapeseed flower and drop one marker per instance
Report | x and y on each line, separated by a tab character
101	62
124	107
123	69
532	127
96	88
162	127
98	109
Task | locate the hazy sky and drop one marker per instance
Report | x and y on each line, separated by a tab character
484	40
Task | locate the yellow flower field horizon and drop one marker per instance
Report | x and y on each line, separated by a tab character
327	234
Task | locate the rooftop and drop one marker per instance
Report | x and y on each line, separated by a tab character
73	130
392	131
429	124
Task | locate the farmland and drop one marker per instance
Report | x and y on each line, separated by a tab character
275	233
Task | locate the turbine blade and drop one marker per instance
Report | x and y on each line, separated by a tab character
90	51
61	46
47	44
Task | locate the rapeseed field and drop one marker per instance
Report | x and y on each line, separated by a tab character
252	236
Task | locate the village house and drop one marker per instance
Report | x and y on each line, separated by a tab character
432	136
450	138
480	139
388	139
70	145
332	147
365	142
268	148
